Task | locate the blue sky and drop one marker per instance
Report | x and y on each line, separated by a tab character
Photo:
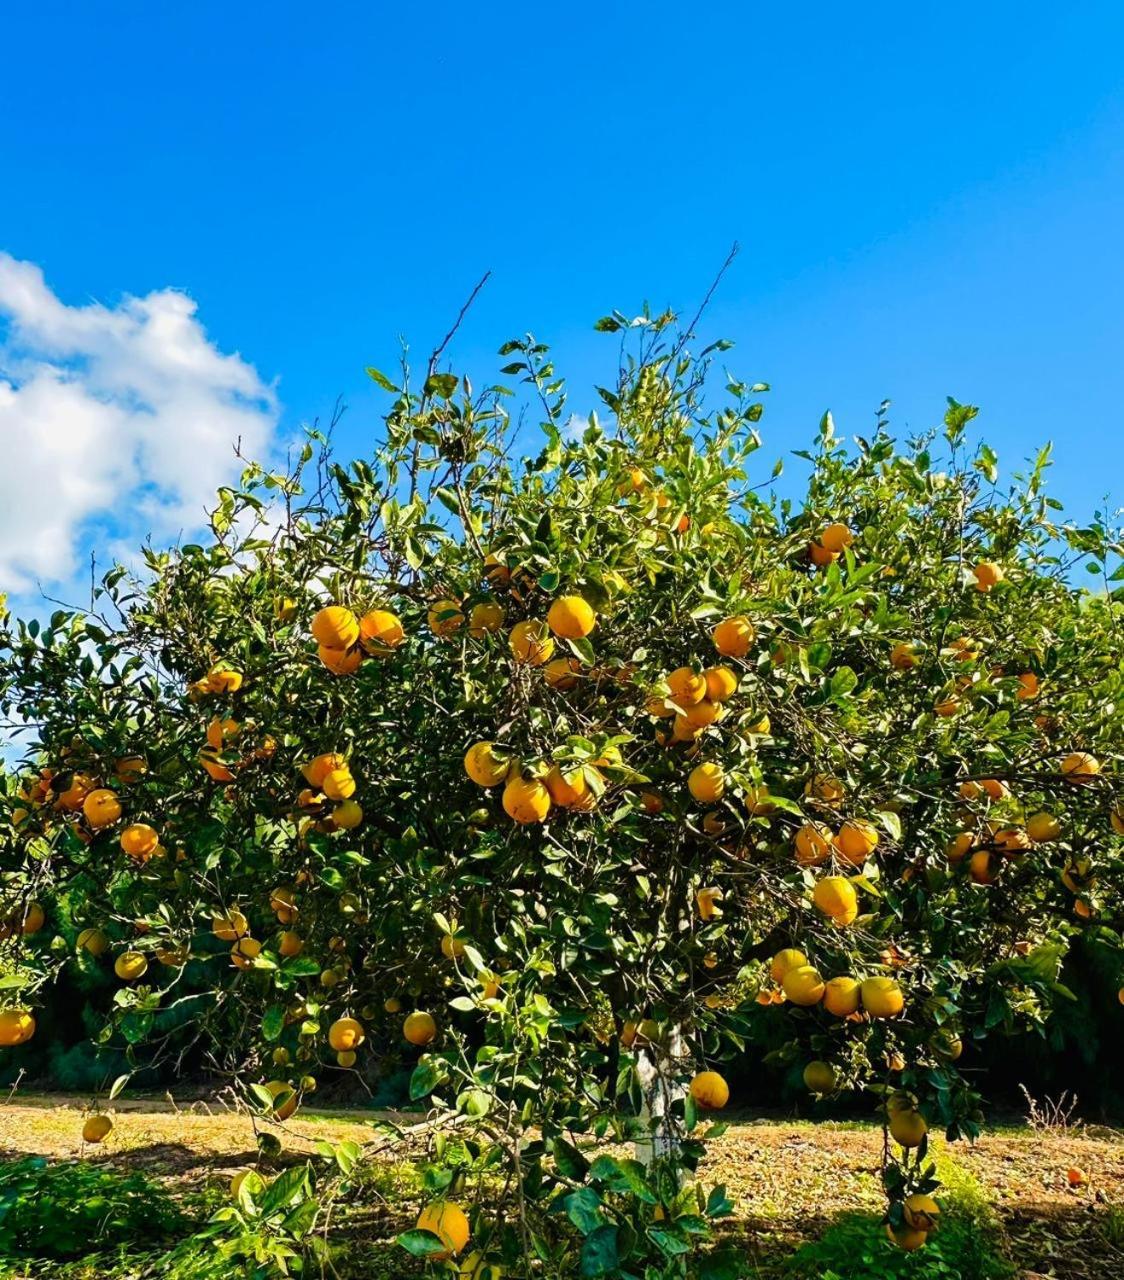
928	203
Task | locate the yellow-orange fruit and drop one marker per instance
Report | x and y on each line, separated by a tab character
102	808
710	1091
882	997
907	1126
341	662
813	844
707	782
903	656
841	996
96	1129
485	619
562	673
530	642
95	941
819	1077
346	1033
835	896
721	683
1028	686
139	841
279	1089
758	801
856	841
445	617
419	1028
244	952
836	536
686	686
803	985
825	787
571	617
789	958
290	943
1080	766
130	965
380	630
449	1223
17	1026
335	627
339	784
229	926
526	800
988	574
733	636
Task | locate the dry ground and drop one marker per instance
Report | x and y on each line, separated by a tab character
788	1179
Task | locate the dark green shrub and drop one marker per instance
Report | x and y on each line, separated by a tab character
67	1210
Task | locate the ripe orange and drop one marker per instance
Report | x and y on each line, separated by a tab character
215	768
813	844
733	636
983	867
841	996
710	1091
348	815
102	808
97	1129
485	766
819	1077
948	706
707	782
531	642
448	1222
1028	686
721	683
95	941
856	841
339	784
906	1238
341	662
822	786
803	985
380	630
346	1033
317	769
882	997
485	619
526	800
244	952
959	847
230	926
139	841
571	618
445	618
568	789
836	536
835	896
921	1212
686	686
907	1126
1080	767
290	943
335	627
17	1026
789	958
279	1089
758	801
419	1028
130	965
903	656
562	673
988	574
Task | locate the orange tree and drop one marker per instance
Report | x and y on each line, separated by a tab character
561	771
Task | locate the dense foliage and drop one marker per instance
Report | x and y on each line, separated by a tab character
573	769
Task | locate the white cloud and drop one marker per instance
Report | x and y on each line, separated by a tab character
115	422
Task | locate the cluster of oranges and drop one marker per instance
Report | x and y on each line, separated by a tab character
328	802
344	640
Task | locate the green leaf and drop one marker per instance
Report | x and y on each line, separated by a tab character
600	1255
582	1207
843	681
422	1244
427	1075
570	1161
273	1022
118	1085
381	379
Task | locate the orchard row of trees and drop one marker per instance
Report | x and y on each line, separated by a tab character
564	770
